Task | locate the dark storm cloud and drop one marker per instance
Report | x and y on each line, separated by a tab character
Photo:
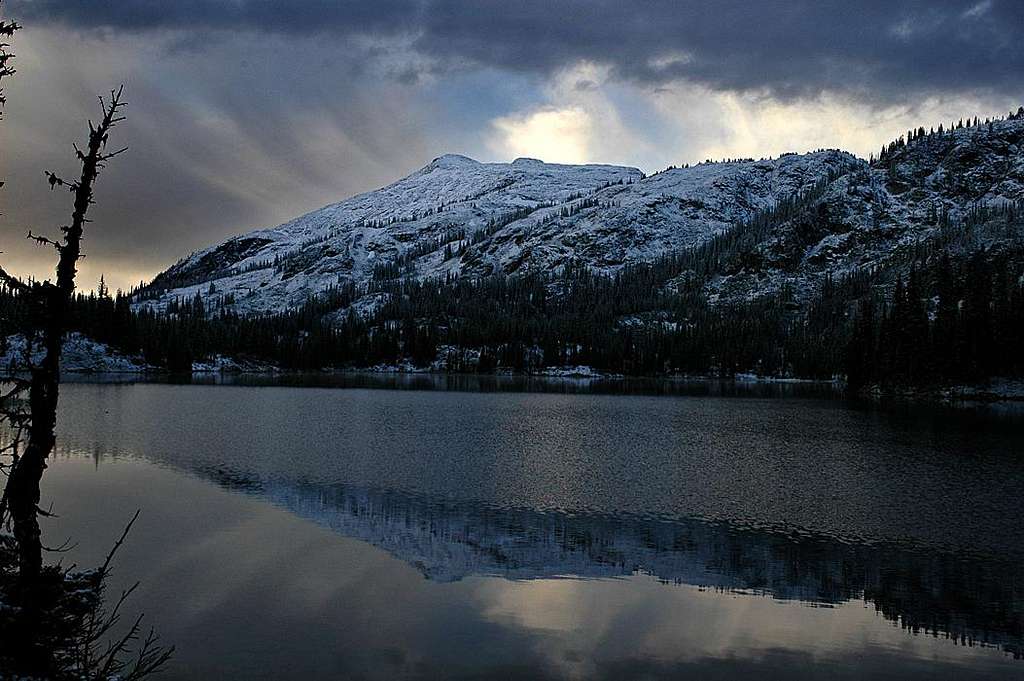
240	135
245	113
300	16
884	50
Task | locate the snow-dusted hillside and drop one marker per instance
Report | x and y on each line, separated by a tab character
457	216
872	216
463	217
448	200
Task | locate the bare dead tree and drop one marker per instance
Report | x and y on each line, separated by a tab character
45	324
48	304
62	628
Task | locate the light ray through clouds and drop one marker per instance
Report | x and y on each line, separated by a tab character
245	113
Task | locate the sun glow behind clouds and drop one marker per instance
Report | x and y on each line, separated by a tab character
553	135
756	126
590	117
229	134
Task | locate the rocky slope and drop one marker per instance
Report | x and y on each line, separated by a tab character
875	215
457	216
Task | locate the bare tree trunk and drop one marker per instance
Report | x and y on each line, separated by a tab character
40	592
23	484
51	302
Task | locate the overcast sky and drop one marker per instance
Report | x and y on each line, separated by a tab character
245	113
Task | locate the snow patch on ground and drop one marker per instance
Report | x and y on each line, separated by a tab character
79	355
996	389
232	365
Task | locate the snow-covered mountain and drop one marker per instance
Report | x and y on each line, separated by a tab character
876	214
457	216
463	217
446	201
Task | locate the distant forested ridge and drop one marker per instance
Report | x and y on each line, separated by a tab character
905	271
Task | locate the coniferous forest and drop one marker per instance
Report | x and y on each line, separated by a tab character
940	313
944	309
450	358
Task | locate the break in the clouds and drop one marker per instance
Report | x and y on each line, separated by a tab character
245	113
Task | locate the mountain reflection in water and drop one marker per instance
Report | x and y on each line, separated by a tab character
763	502
974	600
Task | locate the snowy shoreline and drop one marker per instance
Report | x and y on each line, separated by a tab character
84	357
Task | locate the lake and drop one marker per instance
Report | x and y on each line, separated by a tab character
430	527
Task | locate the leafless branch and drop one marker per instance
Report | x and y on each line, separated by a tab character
44	241
119	542
66	545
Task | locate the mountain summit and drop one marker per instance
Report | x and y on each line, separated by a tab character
457	217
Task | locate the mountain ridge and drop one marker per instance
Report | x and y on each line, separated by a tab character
902	272
499	218
458	217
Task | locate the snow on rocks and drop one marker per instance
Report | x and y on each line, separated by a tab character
458	216
79	355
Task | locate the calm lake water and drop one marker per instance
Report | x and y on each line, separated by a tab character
711	532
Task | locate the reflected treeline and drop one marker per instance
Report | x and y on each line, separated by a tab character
976	600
